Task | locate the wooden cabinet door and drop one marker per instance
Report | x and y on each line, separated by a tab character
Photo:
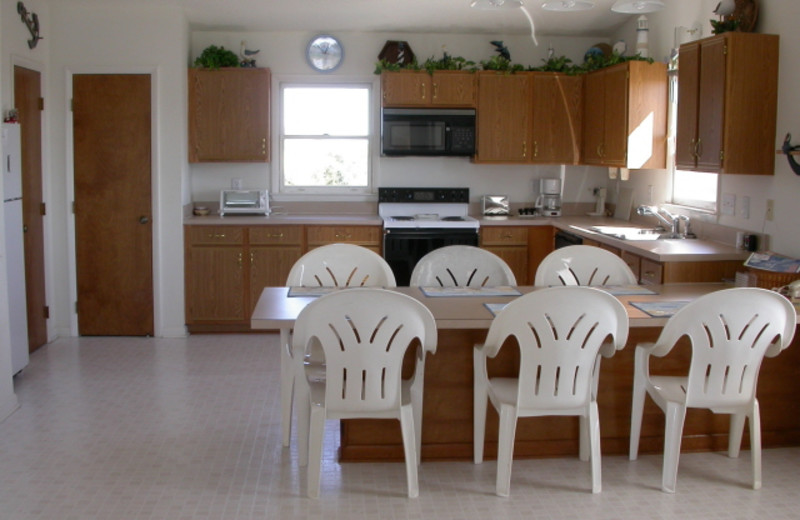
504	111
405	88
541	242
269	267
367	236
651	272
710	120
557	114
511	244
615	135
215	284
451	88
229	115
594	122
688	101
633	261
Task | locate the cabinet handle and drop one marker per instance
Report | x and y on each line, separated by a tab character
507	236
252	257
343	235
536	148
263	146
693	147
216	235
435	90
699	147
524	149
278	235
239	259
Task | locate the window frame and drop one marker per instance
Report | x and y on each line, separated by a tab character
349	193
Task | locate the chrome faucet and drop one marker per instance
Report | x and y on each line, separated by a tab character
671	222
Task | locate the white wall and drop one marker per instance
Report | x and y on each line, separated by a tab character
284	54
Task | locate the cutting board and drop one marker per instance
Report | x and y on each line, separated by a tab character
624	204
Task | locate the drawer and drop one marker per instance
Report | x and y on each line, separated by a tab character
362	235
276	235
198	235
651	272
504	236
633	261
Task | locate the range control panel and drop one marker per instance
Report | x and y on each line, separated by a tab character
423	195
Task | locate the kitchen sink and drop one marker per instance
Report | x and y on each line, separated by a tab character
635	233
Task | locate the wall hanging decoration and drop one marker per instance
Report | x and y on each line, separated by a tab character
31	21
396	52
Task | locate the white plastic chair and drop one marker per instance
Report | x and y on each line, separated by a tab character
561	333
333	265
583	265
364	334
730	332
461	265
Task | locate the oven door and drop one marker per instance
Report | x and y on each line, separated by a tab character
403	248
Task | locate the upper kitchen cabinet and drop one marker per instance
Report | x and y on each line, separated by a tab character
727	104
557	114
229	115
625	116
419	88
504	117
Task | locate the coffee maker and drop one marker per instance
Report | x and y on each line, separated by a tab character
548	203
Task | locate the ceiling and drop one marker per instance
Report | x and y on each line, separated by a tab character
419	16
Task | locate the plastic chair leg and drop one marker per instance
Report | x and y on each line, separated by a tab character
755	444
735	434
584	442
303	419
316	435
675	415
594	443
637	402
287	385
505	449
479	405
409	446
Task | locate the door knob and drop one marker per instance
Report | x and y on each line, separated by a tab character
143	220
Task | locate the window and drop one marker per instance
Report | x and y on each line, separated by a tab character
325	138
693	189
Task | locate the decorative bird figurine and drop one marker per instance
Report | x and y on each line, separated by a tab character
246	56
725	7
501	49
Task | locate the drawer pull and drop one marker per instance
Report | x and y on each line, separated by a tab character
216	235
343	235
275	235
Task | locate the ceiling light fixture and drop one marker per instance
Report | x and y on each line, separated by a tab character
567	5
489	5
637	6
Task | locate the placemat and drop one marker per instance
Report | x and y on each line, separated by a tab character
662	309
500	290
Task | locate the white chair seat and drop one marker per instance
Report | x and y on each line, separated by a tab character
730	332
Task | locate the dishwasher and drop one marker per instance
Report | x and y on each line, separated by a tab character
565	238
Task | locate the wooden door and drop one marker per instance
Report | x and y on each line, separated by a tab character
688	87
504	115
28	101
113	228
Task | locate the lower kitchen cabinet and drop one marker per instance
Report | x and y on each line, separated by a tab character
511	244
541	242
227	266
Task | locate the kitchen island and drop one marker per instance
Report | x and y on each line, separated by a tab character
447	411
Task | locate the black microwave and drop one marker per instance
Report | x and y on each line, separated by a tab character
428	131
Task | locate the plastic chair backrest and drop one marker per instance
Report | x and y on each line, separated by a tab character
730	332
560	331
460	265
364	334
341	265
583	265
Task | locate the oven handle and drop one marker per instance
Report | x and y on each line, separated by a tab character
428	233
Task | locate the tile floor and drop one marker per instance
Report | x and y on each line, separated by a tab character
134	428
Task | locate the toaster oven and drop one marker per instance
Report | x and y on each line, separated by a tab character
244	202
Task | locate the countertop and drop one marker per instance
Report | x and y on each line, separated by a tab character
689	250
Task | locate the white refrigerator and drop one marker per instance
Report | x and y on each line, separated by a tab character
15	254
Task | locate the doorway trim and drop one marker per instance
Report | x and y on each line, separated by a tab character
155	177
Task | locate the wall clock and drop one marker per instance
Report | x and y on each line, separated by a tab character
324	53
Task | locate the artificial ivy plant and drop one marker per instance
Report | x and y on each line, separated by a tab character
214	57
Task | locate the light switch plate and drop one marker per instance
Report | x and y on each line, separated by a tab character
728	204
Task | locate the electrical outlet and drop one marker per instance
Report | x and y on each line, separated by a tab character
770	213
744	209
728	204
